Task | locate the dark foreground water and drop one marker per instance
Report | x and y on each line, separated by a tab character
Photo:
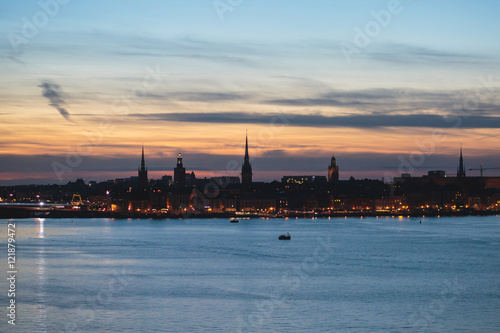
335	275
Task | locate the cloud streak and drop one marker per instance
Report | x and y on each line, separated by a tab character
404	54
318	120
53	93
392	100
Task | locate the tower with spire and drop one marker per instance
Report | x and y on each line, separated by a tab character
461	167
143	174
246	170
333	171
179	173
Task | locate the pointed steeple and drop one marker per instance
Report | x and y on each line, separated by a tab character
246	170
461	167
143	173
247	158
143	163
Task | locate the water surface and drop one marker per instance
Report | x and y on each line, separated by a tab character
334	275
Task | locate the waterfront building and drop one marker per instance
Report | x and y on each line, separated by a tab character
333	171
179	174
143	174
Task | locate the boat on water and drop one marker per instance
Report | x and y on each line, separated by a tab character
234	220
285	236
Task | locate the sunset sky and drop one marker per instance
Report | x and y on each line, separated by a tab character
86	83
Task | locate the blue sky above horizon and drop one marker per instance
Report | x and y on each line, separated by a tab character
419	73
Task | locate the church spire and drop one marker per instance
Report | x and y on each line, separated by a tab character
247	158
143	163
461	168
143	173
246	170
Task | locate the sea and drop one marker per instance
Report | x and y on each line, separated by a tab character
385	274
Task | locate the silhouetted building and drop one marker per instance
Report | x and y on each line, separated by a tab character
333	171
300	180
225	180
461	167
258	202
433	194
191	179
143	174
179	203
167	180
436	173
246	170
179	173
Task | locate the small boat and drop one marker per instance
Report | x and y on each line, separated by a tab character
285	236
234	220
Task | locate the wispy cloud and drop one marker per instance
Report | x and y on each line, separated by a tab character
393	101
12	58
210	96
199	96
411	55
53	93
318	120
368	97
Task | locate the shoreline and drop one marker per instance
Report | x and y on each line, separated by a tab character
16	213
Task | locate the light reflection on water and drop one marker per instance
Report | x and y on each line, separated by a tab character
40	230
41	280
41	291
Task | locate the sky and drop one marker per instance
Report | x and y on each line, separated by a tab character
386	86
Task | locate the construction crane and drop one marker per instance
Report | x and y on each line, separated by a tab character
481	169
